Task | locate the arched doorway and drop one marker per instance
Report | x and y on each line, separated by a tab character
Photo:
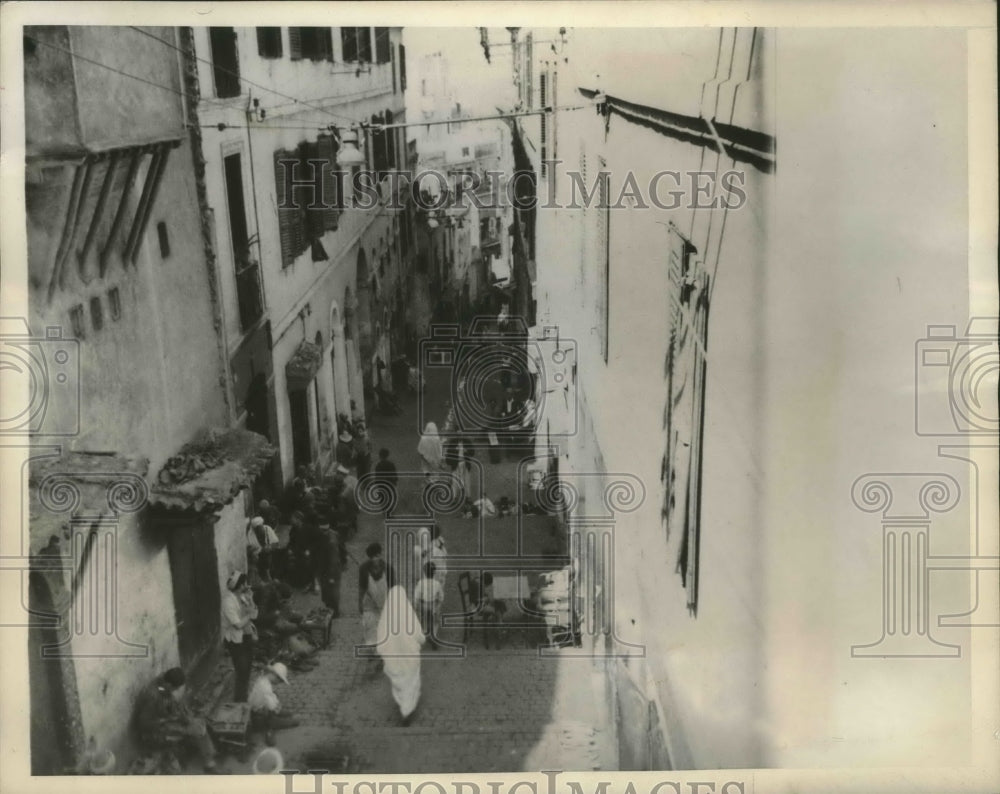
260	408
355	396
51	727
366	340
338	363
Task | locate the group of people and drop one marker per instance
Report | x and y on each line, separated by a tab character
166	724
450	460
399	610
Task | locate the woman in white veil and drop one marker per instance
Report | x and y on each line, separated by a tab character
401	638
431	450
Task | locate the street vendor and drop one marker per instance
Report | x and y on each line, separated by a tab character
265	708
238	631
164	721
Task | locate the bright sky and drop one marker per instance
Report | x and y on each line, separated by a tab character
478	86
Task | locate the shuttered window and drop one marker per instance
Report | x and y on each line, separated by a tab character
269	42
225	62
357	44
291	216
295	44
402	67
316	44
382	45
310	195
542	82
684	415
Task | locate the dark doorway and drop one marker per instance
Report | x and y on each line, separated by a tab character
194	573
258	403
258	416
298	402
51	742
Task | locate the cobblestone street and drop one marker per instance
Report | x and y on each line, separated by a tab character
504	710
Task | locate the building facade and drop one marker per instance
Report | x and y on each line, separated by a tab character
729	639
312	266
137	484
466	166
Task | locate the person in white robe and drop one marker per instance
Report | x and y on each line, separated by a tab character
402	638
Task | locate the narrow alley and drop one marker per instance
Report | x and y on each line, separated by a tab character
635	360
502	709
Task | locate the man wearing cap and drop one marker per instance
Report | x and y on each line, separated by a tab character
344	501
238	631
261	540
265	707
164	722
345	449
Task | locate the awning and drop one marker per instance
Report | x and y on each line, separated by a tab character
303	365
210	471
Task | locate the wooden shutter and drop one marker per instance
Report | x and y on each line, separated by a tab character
269	42
308	193
325	38
295	43
382	45
684	414
291	212
348	37
364	44
282	189
327	151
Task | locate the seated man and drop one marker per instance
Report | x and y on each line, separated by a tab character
164	722
265	708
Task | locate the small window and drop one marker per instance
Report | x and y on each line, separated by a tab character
96	314
269	42
357	43
316	44
225	62
76	320
161	232
465	151
114	303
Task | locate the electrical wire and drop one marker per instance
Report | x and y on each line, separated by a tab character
263	125
295	100
192	97
719	153
109	68
725	212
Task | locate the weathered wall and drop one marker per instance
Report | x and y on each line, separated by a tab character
288	290
107	681
66	97
230	539
820	295
149	384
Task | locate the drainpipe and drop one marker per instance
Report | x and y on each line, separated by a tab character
192	93
256	216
